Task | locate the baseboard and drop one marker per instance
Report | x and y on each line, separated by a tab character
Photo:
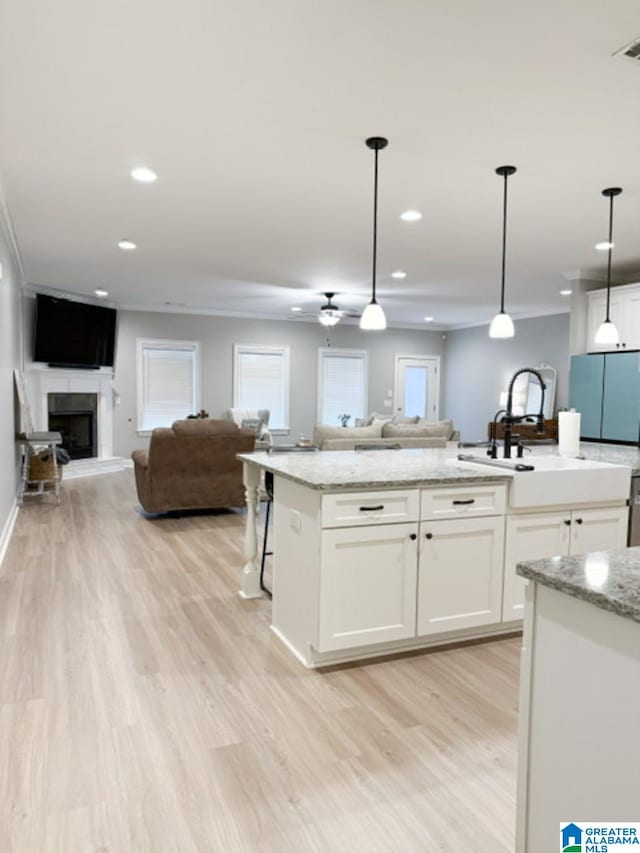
7	530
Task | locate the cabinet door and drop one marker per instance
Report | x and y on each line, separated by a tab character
530	537
599	529
596	313
460	574
368	582
630	332
585	392
621	401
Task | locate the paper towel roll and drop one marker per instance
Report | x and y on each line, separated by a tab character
569	433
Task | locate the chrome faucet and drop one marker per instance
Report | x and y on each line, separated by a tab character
510	419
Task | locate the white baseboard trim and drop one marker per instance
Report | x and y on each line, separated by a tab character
7	530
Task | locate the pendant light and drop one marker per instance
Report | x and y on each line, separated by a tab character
502	324
373	318
607	334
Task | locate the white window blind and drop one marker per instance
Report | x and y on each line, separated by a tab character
168	382
261	381
342	385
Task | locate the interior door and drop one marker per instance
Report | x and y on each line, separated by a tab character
416	387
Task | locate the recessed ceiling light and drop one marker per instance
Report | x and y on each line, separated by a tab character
398	274
604	246
144	174
566	292
100	293
127	245
410	216
428	319
296	308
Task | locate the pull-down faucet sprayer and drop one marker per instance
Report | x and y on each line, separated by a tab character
510	419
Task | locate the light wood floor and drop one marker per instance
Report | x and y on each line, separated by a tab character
145	707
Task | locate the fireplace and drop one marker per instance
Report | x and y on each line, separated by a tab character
75	417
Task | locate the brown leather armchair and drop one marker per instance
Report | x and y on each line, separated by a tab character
192	465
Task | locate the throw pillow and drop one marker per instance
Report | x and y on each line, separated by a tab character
254	424
444	428
401	419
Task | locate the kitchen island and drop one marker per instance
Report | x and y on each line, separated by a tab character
385	551
579	745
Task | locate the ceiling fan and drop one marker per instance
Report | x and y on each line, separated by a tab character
329	314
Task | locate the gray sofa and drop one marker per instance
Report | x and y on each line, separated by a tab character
422	433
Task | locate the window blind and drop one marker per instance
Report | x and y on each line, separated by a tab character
168	385
344	386
262	383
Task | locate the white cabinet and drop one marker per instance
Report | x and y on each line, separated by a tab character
625	315
598	529
531	537
542	535
367	585
460	574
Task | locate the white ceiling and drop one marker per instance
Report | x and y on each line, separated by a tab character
254	115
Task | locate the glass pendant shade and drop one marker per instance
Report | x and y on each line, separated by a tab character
501	326
607	334
373	319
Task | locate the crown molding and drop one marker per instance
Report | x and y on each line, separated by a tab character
8	231
552	312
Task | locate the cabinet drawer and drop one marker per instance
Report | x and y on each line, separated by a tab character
462	502
353	509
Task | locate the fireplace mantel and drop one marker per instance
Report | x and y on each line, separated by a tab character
43	380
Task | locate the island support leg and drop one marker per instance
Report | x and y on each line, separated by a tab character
251	571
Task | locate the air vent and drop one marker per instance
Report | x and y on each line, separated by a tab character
630	51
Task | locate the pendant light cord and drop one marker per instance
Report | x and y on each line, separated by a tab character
375	224
608	318
504	242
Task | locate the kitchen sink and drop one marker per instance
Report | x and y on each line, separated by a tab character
558	480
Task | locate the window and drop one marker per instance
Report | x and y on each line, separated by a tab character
261	381
342	385
168	382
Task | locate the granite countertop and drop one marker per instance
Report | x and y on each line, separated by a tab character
608	579
618	454
335	470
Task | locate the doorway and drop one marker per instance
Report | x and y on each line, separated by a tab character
417	386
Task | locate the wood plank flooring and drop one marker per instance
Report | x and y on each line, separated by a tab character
145	707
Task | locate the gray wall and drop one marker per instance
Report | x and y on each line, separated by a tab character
478	368
217	336
10	358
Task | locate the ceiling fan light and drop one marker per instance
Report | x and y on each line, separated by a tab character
373	319
607	334
501	326
328	318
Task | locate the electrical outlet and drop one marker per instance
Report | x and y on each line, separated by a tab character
295	520
387	404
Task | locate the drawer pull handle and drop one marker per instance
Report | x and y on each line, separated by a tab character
371	508
413	536
578	521
428	535
464	503
567	521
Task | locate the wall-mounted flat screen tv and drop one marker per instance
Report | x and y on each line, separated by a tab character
74	334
